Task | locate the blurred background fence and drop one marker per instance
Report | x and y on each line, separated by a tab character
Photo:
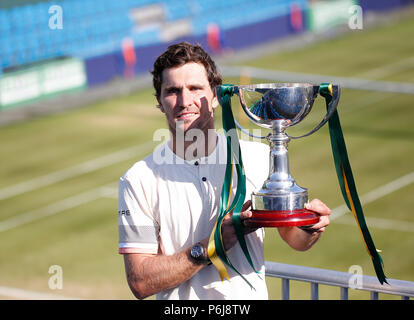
51	47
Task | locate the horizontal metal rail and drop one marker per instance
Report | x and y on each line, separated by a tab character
343	280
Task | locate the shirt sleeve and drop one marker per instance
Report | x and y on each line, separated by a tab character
137	229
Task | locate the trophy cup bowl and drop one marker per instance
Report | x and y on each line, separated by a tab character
276	106
266	103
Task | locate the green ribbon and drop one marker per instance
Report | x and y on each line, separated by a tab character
233	153
347	183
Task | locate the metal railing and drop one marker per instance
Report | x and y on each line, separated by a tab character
342	280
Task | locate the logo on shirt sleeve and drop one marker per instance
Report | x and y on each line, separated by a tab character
124	212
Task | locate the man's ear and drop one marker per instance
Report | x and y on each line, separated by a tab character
215	102
160	106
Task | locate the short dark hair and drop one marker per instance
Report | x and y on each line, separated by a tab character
179	54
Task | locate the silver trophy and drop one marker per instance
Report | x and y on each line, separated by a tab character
277	106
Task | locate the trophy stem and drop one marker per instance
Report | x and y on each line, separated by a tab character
279	174
280	202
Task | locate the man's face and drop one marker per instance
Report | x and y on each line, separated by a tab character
186	98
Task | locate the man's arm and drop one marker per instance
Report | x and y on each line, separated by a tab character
150	274
303	240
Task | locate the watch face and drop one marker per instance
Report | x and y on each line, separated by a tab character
196	251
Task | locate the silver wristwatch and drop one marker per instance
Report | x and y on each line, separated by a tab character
198	254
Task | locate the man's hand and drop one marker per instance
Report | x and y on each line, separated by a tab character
227	229
302	239
297	238
323	211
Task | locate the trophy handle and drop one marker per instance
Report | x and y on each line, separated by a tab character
247	131
331	108
236	91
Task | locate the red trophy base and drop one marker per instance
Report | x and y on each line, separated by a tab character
287	218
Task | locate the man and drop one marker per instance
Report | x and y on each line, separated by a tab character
169	208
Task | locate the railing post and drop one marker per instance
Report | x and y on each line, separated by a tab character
285	289
344	293
314	291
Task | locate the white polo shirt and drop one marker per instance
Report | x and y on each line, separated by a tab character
173	204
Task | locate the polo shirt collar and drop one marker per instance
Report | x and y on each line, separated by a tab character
212	158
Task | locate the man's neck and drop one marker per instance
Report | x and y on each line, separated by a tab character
194	144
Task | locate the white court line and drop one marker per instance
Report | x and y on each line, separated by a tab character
16	293
376	194
380	223
54	208
86	167
388	69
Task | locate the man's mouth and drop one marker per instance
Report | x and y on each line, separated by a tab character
186	115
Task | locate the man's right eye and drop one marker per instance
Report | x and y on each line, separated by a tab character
173	90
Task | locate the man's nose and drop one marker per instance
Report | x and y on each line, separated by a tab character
185	98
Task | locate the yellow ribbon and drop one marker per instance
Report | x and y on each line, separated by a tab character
212	253
351	203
